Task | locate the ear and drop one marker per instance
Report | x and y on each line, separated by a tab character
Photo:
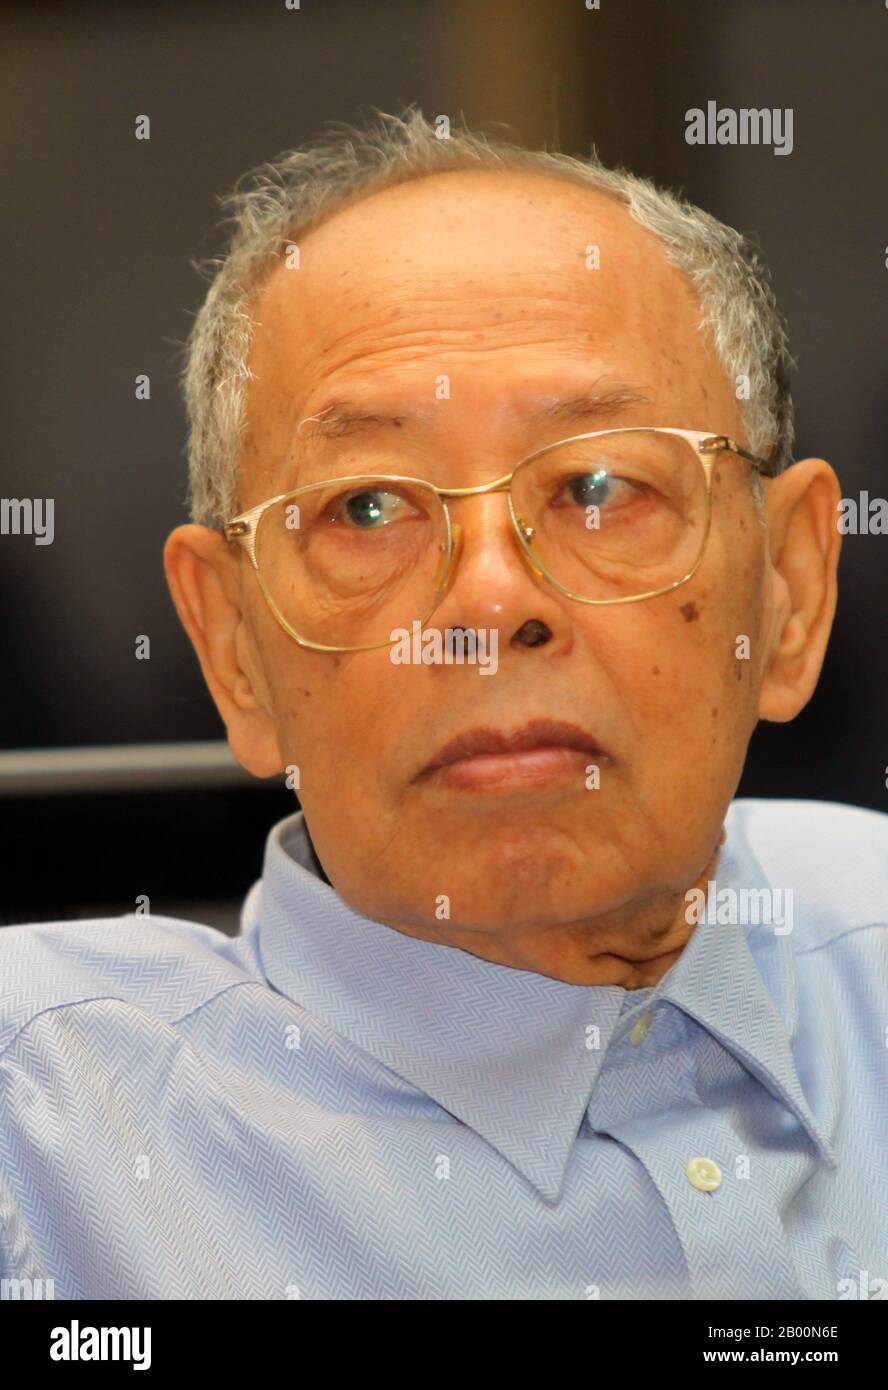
804	541
204	578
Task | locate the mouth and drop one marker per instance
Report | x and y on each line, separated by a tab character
542	750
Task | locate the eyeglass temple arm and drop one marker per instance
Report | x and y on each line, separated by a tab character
721	443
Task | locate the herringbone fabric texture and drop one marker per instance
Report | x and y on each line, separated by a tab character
325	1108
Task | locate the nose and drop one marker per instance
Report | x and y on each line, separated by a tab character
491	579
458	534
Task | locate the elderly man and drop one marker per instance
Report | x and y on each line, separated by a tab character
498	559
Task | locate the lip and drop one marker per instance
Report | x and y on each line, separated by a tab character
538	751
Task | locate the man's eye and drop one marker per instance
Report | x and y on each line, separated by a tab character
597	489
371	509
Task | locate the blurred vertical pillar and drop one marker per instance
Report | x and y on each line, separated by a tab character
561	74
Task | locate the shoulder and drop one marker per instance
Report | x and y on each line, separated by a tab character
162	965
833	858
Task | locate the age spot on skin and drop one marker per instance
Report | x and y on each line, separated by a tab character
689	612
655	670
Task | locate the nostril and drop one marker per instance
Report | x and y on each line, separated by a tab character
533	633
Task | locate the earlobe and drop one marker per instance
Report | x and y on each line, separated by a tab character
804	541
202	576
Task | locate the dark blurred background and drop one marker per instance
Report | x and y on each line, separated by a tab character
98	232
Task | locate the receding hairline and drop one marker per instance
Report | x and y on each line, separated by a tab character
390	192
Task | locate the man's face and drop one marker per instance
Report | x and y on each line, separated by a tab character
483	278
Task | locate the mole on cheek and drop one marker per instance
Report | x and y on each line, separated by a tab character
689	612
655	670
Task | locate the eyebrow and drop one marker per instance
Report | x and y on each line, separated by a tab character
339	418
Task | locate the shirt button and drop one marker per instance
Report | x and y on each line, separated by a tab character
704	1174
641	1028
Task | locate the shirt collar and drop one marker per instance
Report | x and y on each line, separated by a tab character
507	1051
740	983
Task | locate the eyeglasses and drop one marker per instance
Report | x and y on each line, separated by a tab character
610	517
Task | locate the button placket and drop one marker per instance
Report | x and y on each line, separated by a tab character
728	1225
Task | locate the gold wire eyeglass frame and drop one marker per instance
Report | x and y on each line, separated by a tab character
243	528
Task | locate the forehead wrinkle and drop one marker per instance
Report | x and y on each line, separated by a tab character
392	341
338	418
427	320
387	320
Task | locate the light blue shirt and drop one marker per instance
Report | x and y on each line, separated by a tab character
323	1107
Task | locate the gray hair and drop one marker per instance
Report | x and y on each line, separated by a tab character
277	203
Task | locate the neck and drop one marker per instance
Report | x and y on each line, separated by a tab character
631	948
